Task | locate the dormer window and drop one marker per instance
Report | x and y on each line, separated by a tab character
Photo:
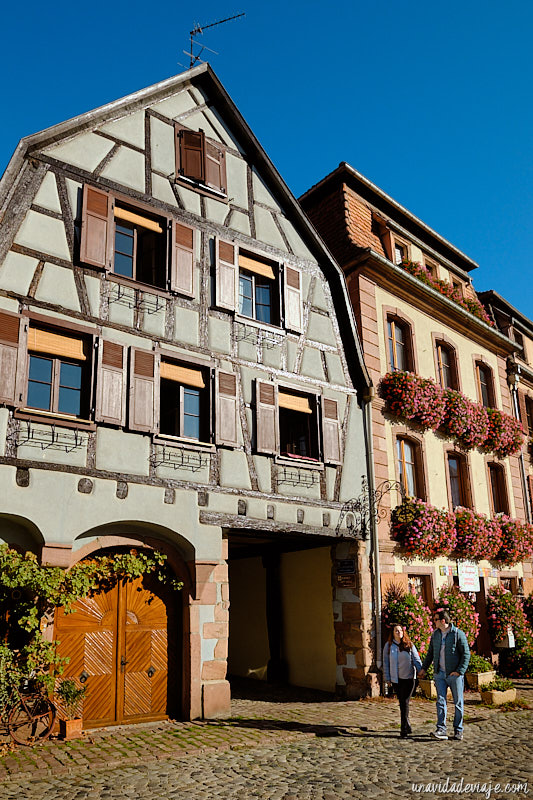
400	253
199	161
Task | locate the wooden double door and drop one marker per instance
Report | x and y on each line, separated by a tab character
123	646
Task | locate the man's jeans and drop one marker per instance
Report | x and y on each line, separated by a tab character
456	684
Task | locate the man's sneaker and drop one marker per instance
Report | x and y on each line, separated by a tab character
458	736
439	734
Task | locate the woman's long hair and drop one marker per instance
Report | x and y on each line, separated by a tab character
406	642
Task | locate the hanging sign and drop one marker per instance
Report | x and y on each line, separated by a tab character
468	576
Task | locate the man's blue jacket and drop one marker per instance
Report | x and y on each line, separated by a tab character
456	651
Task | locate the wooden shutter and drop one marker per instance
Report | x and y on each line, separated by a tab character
331	432
111	383
266	417
183	257
96	228
190	154
226	409
227	273
215	167
13	334
143	413
293	299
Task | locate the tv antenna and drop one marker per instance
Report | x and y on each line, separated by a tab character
199	29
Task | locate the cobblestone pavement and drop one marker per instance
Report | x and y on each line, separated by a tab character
296	746
363	764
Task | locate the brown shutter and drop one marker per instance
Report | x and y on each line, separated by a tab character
293	299
226	409
530	485
111	383
226	275
190	154
215	167
96	228
143	412
183	257
266	417
331	432
13	334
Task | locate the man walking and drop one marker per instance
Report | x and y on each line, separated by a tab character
450	654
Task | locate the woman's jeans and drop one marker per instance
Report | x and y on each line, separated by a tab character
456	684
403	691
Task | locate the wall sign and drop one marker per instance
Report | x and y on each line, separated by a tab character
468	576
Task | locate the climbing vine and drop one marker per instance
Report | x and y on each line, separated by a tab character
29	590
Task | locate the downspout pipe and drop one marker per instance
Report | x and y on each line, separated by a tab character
374	543
513	379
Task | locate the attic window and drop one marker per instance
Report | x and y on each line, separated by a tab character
199	161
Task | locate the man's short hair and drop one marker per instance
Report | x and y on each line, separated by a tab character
443	614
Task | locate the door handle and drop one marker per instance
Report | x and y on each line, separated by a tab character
123	662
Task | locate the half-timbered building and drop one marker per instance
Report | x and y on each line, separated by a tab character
180	370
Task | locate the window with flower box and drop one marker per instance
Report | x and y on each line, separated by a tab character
485	385
399	344
458	482
446	365
409	463
498	491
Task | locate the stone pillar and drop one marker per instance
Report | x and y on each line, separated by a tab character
354	623
213	609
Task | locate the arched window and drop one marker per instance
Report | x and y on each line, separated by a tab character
446	365
458	482
410	466
498	490
485	384
399	339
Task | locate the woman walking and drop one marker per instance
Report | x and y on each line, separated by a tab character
401	663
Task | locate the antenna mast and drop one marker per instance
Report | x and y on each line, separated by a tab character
199	29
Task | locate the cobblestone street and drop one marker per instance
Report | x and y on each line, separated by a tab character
362	764
303	747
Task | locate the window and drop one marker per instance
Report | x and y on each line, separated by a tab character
399	344
431	268
184	401
458	286
135	244
298	431
484	384
258	289
458	481
529	416
409	466
446	366
296	424
420	586
200	162
400	253
519	339
498	491
140	247
58	372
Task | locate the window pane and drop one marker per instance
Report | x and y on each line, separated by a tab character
39	395
40	369
455	481
124	241
484	380
263	302
70	375
123	265
170	408
69	401
245	296
191	413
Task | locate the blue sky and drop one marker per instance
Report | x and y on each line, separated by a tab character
432	102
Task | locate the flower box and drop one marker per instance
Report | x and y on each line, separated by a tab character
71	728
475	680
496	698
430	690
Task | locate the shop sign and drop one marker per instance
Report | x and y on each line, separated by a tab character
468	576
